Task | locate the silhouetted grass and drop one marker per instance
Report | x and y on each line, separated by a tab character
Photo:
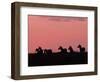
35	59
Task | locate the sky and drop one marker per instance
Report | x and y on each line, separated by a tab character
50	32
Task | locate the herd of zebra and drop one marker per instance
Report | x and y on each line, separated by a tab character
62	50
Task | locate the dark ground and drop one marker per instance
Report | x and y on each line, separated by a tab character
35	59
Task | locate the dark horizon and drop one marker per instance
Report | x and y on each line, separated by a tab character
45	57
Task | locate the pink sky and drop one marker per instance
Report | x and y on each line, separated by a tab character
51	32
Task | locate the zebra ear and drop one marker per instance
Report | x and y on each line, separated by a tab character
78	45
